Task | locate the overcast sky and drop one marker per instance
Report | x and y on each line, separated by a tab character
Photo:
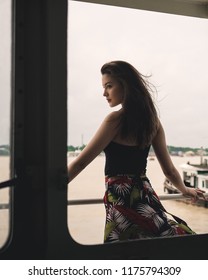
173	49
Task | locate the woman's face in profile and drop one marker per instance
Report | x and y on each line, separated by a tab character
113	90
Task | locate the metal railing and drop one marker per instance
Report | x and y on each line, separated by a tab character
74	202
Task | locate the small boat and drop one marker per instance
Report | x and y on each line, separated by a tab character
151	158
169	187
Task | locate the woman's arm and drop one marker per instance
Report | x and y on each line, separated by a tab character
169	170
101	139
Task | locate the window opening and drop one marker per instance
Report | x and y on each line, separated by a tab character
5	97
171	48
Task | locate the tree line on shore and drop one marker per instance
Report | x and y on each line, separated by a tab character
5	150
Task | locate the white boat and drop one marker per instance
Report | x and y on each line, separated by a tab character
194	176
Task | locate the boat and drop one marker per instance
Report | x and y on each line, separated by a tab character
194	176
169	187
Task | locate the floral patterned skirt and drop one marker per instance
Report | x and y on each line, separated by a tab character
134	211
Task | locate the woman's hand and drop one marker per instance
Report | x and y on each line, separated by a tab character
194	193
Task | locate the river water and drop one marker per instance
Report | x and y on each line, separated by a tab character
86	222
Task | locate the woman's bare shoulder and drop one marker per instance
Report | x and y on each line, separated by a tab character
114	116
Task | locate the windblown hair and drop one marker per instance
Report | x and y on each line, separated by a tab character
139	120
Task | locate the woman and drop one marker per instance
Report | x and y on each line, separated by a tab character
133	209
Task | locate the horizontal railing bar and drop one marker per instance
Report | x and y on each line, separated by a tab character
84	201
74	202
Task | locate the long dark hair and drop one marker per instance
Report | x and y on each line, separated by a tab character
139	120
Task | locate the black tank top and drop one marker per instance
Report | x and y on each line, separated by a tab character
124	159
